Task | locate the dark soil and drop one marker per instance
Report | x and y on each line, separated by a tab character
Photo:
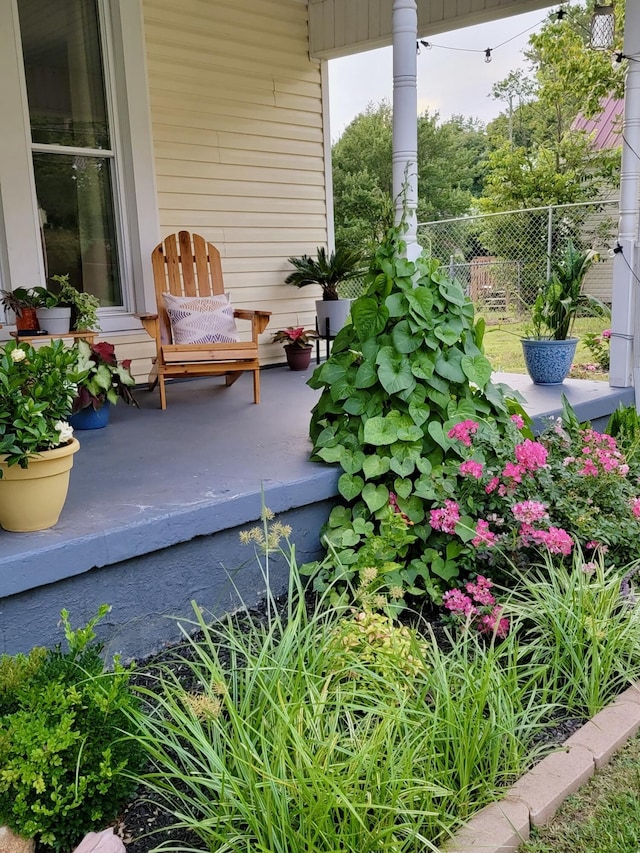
144	823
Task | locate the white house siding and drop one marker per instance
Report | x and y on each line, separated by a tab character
236	109
341	27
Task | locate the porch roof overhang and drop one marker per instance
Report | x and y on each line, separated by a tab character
343	27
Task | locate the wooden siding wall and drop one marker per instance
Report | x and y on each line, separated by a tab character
236	108
341	27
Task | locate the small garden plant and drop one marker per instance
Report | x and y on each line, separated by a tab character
63	753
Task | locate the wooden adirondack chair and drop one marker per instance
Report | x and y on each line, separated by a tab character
186	265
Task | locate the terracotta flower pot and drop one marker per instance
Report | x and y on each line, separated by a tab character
298	358
32	498
27	321
12	843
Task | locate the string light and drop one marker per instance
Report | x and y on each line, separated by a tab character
488	51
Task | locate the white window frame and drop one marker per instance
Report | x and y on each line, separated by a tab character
135	189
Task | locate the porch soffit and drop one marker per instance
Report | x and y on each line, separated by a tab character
343	27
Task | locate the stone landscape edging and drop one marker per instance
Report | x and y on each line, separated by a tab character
503	826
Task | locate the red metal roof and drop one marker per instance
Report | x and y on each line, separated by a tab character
606	127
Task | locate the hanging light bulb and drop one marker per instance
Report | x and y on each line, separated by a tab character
487	55
603	27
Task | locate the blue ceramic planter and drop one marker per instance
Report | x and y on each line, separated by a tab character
548	362
91	418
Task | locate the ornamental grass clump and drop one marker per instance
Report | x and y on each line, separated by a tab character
580	626
329	729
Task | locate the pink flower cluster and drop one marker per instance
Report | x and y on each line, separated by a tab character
600	454
472	468
529	511
463	432
483	536
447	518
478	604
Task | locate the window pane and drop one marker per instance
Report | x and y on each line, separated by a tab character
76	212
63	67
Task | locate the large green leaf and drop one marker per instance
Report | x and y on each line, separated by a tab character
394	371
356	403
451	290
375	497
403	486
449	332
477	370
381	430
366	375
331	454
423	365
437	434
402	338
448	365
350	486
375	466
421	302
352	461
369	317
397	305
413	507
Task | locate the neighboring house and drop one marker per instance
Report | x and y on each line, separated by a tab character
125	120
605	130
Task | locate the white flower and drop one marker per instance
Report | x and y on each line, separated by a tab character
18	355
65	430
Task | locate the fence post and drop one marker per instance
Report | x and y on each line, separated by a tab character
549	240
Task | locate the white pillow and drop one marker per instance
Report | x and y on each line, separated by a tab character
201	319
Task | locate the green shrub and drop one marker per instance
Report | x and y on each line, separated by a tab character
408	368
62	750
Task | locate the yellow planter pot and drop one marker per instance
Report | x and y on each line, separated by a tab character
32	498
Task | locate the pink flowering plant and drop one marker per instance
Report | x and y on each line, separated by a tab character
475	607
598	346
509	498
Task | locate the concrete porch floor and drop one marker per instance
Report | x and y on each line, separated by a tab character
156	501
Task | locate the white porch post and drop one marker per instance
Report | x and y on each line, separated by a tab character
625	333
405	119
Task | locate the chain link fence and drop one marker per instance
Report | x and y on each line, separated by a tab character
502	258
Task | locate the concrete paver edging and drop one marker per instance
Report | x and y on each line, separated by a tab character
503	826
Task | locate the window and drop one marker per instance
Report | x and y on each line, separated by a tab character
77	186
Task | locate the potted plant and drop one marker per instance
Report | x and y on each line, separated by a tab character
23	302
36	440
105	381
56	309
549	349
328	271
297	345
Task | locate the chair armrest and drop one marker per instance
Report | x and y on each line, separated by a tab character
146	316
259	319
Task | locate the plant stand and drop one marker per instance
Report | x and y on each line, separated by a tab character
323	335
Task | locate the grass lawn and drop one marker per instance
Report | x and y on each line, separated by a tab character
604	817
503	348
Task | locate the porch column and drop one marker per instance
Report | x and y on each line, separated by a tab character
405	119
625	333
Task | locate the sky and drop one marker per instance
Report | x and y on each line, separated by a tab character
450	82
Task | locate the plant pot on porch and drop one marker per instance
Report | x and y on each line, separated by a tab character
27	320
90	418
32	498
12	843
336	311
56	321
298	358
548	362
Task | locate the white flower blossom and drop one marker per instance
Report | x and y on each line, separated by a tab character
18	355
65	431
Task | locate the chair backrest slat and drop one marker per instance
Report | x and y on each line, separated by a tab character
186	262
173	278
202	265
